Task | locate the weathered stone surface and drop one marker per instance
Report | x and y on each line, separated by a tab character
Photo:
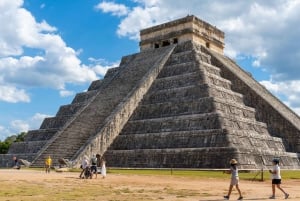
175	118
39	135
26	147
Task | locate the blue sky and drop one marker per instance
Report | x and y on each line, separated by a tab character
52	49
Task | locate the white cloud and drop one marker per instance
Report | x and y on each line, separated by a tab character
256	63
4	132
13	95
36	120
289	91
51	63
66	93
110	7
100	66
17	126
137	19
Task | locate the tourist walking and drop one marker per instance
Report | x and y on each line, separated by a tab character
276	179
103	168
94	165
98	156
84	165
234	179
48	163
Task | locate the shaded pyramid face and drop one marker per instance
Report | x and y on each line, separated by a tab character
179	106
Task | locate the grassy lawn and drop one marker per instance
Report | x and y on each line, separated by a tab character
218	174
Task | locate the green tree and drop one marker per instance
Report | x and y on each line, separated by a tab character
4	146
20	137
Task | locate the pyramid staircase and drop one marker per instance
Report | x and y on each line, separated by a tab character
107	107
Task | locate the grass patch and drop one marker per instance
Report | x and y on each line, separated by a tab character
217	174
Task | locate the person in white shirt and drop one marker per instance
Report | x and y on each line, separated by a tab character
84	164
103	168
276	179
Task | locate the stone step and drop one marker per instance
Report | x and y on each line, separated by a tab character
84	96
258	159
231	122
187	79
184	47
169	109
40	134
182	57
55	122
176	123
30	147
222	93
190	93
177	139
176	81
114	71
95	85
269	143
213	120
218	81
198	106
70	109
233	108
176	94
55	161
206	157
210	68
241	138
201	56
178	69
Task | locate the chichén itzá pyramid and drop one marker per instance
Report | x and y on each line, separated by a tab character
179	102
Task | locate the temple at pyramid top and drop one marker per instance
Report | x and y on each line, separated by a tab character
189	28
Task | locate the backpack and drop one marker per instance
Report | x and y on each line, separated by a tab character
94	161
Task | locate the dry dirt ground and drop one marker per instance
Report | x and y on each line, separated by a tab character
37	185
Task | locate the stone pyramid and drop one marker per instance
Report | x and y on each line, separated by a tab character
178	103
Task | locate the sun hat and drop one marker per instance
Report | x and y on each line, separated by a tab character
233	161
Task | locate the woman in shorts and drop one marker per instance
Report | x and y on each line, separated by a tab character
276	179
234	179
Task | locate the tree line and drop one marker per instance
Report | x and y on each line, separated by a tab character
4	145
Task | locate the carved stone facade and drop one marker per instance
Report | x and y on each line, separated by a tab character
181	104
185	29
